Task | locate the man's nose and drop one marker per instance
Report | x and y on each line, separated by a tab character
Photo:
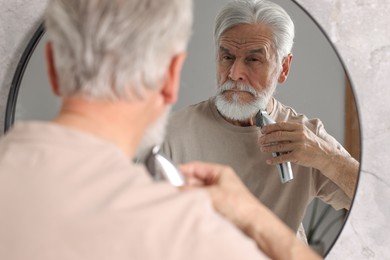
237	71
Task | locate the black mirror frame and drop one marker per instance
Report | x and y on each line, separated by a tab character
18	76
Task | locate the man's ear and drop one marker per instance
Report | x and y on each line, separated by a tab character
51	70
286	65
170	88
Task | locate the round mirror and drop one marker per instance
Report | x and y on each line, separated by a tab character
317	86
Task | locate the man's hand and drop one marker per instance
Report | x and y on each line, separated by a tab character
229	195
233	200
301	146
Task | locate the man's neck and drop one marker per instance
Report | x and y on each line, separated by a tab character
250	121
117	122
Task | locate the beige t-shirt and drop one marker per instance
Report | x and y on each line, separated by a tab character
65	194
198	132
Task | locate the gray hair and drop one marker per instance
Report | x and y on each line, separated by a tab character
266	12
106	49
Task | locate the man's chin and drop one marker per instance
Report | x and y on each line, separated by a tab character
240	110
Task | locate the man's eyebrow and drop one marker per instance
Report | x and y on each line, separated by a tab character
260	50
221	48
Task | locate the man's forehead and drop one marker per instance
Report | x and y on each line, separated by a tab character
257	49
249	36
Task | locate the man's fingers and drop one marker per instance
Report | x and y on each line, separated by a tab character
205	172
283	157
279	136
194	182
281	126
283	136
278	147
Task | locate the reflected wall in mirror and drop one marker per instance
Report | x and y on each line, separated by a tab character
316	87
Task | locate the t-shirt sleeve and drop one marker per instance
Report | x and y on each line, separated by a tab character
326	189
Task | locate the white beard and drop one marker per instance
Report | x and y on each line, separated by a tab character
235	109
153	136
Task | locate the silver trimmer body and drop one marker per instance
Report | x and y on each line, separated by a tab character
285	171
160	168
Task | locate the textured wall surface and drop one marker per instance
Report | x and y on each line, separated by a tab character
360	31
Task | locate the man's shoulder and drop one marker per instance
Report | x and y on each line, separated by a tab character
192	110
191	116
284	112
188	218
200	220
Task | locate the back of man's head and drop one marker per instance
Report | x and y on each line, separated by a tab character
106	49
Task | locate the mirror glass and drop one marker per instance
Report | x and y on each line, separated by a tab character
317	86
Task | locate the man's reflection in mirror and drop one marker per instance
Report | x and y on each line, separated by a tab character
253	43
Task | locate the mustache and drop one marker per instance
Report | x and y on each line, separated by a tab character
229	85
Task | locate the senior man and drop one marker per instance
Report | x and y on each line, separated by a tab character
68	187
253	41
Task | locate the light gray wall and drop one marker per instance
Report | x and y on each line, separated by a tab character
35	99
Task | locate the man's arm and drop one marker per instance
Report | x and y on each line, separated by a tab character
301	146
233	200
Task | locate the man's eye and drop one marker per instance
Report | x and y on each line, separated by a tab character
253	59
226	57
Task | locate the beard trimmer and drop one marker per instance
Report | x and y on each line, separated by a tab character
285	171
